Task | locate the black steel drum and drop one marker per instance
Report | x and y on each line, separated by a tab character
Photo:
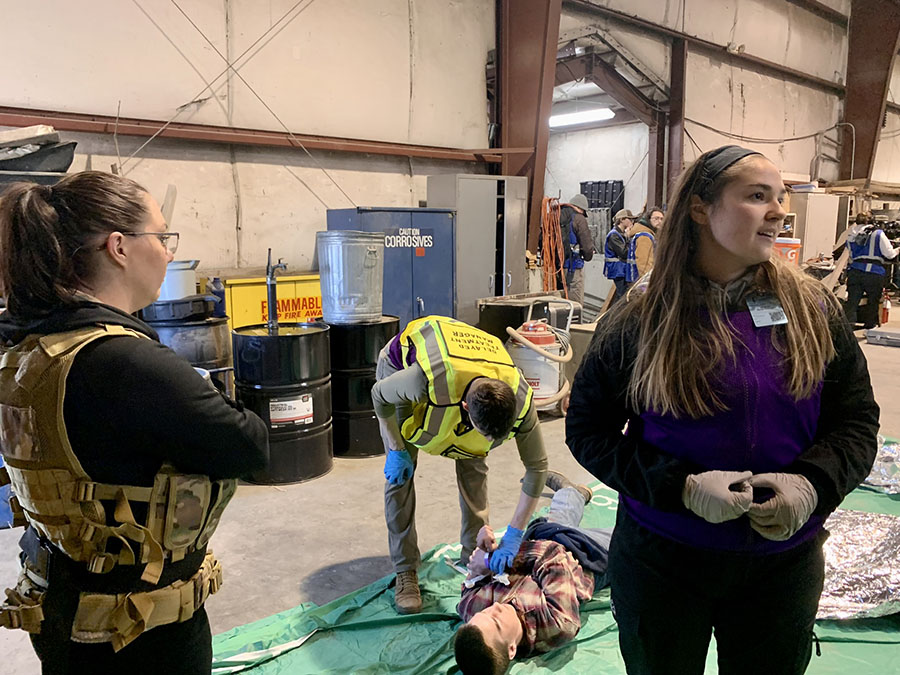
285	379
354	355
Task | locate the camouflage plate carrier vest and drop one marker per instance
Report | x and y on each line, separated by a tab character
452	354
56	497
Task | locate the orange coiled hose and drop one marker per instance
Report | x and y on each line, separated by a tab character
552	254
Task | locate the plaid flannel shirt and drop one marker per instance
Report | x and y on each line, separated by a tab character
547	586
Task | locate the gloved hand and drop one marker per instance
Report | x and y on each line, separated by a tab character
780	517
710	496
398	467
502	558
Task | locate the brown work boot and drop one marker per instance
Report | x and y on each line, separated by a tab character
407	599
557	481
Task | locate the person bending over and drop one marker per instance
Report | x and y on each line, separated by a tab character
448	389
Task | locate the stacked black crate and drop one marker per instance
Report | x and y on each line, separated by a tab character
604	194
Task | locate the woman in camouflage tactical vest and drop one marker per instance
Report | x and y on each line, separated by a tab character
120	456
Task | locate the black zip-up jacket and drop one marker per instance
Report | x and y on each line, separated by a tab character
131	405
838	461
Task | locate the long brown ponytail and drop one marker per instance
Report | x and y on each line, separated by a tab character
48	235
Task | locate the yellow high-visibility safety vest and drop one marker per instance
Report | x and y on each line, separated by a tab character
452	354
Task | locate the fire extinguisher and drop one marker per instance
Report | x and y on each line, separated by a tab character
885	307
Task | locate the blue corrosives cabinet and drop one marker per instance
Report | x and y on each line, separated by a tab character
419	257
467	245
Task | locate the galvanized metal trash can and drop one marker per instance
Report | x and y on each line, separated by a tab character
351	274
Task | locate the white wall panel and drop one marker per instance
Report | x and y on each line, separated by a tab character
746	103
887	157
607	153
85	57
393	70
771	29
450	41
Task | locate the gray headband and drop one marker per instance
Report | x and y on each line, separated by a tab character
720	159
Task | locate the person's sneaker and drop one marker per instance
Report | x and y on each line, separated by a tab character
557	481
407	598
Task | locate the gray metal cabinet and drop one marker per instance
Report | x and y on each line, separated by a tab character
817	223
491	214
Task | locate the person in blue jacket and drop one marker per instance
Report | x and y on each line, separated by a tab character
869	250
615	264
730	406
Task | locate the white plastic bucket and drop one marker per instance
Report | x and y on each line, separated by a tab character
351	274
541	373
180	280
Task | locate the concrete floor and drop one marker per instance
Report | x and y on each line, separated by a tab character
316	541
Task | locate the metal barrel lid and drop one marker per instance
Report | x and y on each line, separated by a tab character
284	329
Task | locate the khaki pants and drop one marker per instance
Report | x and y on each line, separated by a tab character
400	500
575	285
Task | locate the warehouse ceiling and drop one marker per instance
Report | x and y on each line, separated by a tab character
577	90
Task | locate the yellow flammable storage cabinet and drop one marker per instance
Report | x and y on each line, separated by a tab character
299	299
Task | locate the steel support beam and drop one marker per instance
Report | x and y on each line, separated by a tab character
676	113
874	39
656	160
742	60
103	124
592	67
526	50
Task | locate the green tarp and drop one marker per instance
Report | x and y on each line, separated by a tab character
361	633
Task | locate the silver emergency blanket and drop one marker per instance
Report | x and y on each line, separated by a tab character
885	474
862	566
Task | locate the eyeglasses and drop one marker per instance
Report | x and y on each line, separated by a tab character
169	240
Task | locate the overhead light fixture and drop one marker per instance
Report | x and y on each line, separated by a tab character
583	117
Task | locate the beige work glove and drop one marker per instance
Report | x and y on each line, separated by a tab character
710	496
780	517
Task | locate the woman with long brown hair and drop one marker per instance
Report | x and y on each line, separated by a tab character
748	415
122	458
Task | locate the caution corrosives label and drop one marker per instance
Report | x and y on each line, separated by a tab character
408	237
285	412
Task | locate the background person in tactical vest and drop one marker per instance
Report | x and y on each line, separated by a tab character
578	246
615	251
121	456
448	389
866	274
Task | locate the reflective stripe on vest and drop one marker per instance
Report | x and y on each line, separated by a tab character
452	354
866	257
631	269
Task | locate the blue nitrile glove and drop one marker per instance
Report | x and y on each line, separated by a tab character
398	467
502	558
